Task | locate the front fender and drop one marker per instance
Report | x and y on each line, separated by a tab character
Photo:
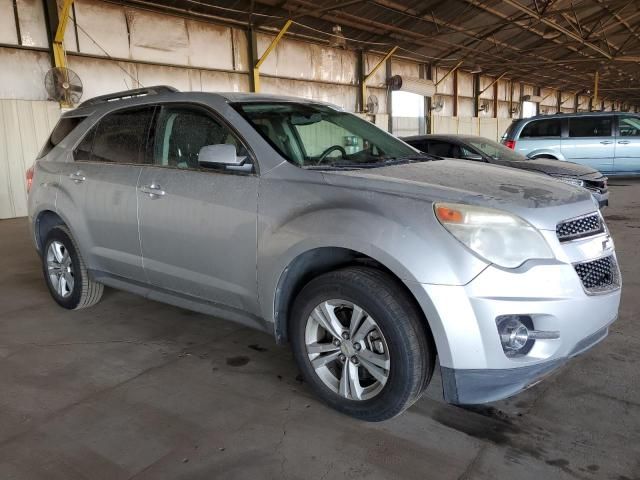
403	236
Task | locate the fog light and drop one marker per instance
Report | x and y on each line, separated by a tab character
514	331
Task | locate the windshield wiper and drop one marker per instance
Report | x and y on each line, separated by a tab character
385	162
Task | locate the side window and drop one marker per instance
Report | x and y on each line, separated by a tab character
63	128
590	127
181	132
542	128
441	149
82	152
422	146
119	137
629	126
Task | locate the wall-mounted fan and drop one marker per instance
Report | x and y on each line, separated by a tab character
437	104
372	105
63	85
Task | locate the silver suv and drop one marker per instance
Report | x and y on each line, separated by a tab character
300	219
606	141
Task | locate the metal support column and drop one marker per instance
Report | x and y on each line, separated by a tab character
428	101
389	93
596	80
59	55
366	77
476	94
360	67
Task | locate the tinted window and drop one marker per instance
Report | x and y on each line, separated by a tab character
63	128
182	131
120	137
443	149
83	151
496	150
542	128
590	127
629	126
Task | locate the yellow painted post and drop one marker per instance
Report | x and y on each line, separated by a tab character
270	48
363	83
449	73
59	56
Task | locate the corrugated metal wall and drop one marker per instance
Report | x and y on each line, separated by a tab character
24	127
113	47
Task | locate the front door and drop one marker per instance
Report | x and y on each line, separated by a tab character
198	225
590	142
627	145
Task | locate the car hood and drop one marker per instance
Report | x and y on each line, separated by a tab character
541	201
551	166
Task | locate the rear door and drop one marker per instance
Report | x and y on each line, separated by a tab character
198	225
104	176
540	137
590	141
627	149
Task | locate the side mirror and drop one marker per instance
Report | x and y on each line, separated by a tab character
474	156
221	155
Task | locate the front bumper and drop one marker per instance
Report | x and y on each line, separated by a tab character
474	386
474	366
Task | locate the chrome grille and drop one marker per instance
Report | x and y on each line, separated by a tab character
584	226
600	275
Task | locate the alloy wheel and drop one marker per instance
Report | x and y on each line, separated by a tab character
60	269
347	349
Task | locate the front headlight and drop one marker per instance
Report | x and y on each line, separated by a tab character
571	180
495	235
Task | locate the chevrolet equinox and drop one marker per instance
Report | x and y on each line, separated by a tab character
298	218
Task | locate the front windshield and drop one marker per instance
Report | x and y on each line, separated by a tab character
496	150
319	136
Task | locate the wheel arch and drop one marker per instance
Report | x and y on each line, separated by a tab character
43	223
317	261
544	153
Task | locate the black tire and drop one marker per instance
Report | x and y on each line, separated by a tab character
410	347
85	292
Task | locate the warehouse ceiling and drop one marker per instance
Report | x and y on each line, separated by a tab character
559	44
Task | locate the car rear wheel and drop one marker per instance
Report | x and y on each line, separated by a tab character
361	343
66	273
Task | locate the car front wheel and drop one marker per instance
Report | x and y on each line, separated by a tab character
361	343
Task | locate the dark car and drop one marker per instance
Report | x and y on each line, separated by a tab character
471	147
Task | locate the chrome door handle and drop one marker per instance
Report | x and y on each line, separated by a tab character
624	142
153	190
606	142
77	177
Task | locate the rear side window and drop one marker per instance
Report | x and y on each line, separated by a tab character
542	128
444	149
119	137
629	126
63	128
590	126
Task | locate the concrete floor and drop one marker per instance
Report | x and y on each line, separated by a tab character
136	389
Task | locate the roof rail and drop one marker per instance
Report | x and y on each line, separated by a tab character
136	92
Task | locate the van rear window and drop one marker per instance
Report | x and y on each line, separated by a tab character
542	128
63	128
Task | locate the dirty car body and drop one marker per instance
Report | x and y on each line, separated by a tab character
475	148
244	239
